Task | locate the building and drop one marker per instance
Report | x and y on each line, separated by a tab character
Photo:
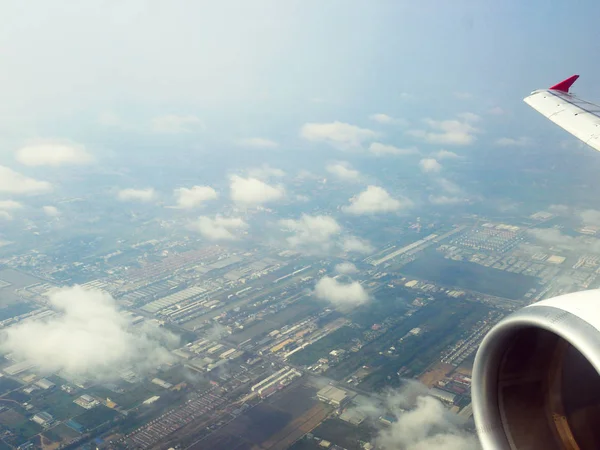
442	395
43	418
45	383
18	368
86	401
334	396
162	383
353	416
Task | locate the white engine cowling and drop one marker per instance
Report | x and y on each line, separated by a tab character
536	383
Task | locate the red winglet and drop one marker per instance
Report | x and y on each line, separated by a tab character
564	85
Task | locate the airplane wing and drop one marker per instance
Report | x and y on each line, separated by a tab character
577	116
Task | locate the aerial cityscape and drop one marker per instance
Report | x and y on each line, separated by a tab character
210	259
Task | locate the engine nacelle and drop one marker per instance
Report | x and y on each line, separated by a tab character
536	383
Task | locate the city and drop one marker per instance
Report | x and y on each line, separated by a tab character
254	333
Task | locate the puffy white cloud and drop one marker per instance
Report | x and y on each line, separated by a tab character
353	244
51	211
6	206
265	172
337	134
459	131
555	238
257	142
173	124
388	120
219	228
346	268
89	338
445	154
136	195
188	198
379	149
422	422
342	295
15	183
343	171
10	204
311	232
522	141
430	165
373	200
253	192
588	217
428	425
54	155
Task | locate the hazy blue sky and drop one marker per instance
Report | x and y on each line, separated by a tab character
165	81
250	67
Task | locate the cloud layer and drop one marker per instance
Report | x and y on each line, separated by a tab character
379	149
89	338
174	124
311	232
257	142
430	165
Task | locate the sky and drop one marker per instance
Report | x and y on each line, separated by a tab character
165	96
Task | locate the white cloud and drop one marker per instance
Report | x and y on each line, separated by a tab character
463	95
343	171
430	165
496	111
379	149
15	183
373	200
448	186
588	217
10	204
6	206
422	422
388	120
444	200
340	294
445	154
257	142
428	425
253	192
188	198
265	172
337	134
450	132
353	244
136	195
54	155
51	211
89	338
522	141
346	268
219	228
173	124
311	232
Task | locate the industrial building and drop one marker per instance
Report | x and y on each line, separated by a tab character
353	416
43	418
334	396
86	401
45	383
442	395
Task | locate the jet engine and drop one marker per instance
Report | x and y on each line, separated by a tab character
536	383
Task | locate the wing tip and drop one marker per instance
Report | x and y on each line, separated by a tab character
564	85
